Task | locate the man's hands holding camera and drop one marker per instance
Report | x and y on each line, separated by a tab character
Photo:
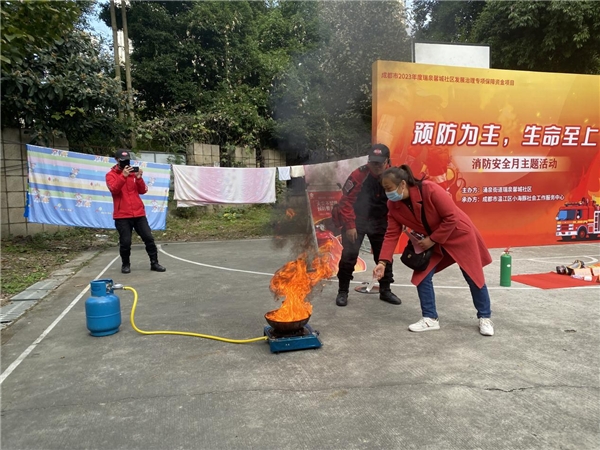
136	170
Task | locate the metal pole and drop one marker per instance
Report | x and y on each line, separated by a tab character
127	66
113	22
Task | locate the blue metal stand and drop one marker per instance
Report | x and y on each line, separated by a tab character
309	339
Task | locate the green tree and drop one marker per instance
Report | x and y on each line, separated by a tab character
63	90
323	103
548	36
56	80
30	25
445	21
211	66
554	36
292	73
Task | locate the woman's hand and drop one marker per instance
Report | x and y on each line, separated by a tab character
426	243
379	270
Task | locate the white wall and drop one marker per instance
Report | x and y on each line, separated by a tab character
461	55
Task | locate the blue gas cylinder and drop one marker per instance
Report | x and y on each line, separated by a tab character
103	309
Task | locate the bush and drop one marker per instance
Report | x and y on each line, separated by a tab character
192	212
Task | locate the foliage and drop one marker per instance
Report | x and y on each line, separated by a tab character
205	68
231	213
225	72
189	212
553	36
63	88
549	36
27	260
242	222
280	190
445	21
31	25
172	132
323	102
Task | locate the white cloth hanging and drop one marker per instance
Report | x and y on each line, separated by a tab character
284	173
296	171
216	185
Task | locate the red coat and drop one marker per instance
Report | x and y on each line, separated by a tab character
126	193
451	228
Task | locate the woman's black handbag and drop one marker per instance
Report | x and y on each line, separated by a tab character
417	261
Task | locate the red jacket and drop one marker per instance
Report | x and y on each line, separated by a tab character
450	226
126	193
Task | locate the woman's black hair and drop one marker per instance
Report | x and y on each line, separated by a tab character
402	173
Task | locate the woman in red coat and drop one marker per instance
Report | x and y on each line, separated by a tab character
453	236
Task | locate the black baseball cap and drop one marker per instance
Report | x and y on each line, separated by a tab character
379	153
123	155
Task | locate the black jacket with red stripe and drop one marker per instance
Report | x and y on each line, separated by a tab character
363	199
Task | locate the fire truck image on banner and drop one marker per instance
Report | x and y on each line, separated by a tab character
581	219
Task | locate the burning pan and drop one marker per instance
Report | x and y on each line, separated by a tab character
286	327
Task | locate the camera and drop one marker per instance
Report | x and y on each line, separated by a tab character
135	169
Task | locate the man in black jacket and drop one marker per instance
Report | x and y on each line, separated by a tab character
363	211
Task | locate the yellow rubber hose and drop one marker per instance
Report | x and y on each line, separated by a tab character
185	333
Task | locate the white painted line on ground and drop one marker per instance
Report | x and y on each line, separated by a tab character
216	241
29	349
466	286
211	266
592	259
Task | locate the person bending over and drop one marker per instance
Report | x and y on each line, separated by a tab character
453	236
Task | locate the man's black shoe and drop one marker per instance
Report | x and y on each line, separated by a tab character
341	299
390	297
125	268
157	267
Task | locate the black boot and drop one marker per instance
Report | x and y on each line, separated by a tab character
154	265
342	298
390	297
125	265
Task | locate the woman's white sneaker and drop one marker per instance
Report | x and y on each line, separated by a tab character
486	326
425	324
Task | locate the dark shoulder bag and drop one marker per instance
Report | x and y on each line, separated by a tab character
417	261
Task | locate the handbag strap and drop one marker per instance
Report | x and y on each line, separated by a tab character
423	218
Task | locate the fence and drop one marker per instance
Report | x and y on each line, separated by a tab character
13	173
13	176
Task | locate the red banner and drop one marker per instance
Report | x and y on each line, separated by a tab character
518	151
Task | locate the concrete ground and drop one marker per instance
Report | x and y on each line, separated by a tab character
373	384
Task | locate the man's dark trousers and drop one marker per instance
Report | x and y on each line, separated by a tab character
375	231
141	227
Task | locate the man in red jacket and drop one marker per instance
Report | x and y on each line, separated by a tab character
126	185
363	211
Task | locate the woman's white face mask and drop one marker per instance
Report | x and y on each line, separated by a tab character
394	196
394	193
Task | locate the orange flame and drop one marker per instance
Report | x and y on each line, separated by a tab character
293	282
290	213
